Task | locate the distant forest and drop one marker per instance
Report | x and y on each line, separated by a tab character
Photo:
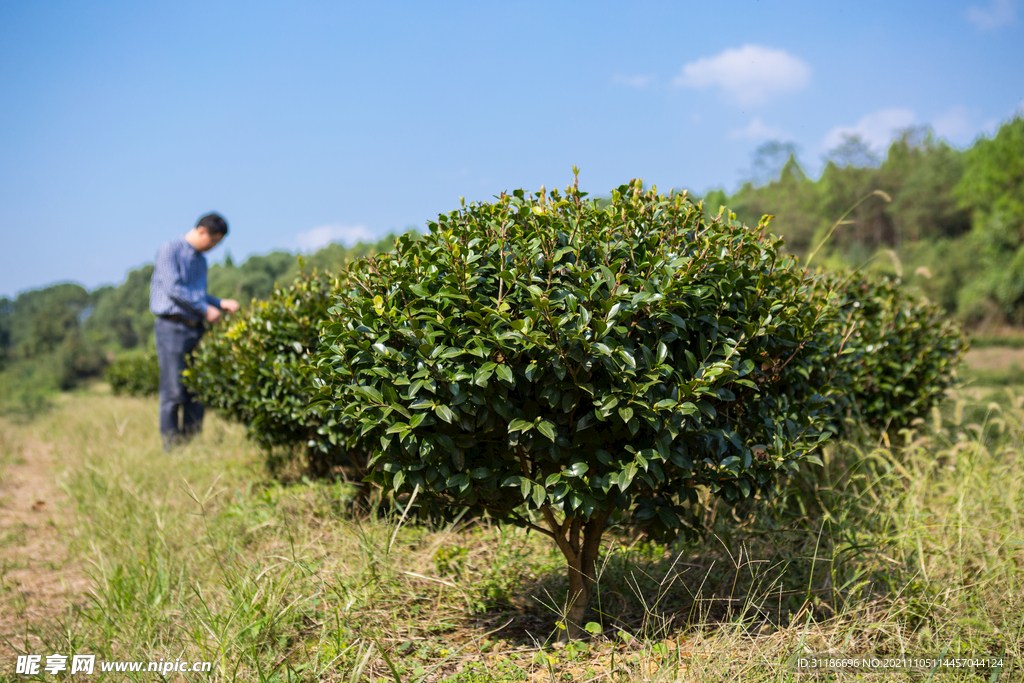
949	222
946	221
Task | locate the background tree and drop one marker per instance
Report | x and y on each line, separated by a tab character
992	188
769	159
790	197
120	317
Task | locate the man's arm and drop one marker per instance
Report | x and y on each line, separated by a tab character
213	311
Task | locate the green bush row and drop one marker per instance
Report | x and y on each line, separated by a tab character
255	370
563	364
898	353
135	374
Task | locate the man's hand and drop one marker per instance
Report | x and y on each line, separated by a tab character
229	305
212	314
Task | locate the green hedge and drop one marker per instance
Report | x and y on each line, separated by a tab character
899	352
254	369
562	363
136	374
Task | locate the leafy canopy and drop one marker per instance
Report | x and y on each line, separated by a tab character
254	370
545	351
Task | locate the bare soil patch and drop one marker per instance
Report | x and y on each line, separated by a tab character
994	358
37	581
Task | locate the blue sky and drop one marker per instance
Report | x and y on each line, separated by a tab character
122	122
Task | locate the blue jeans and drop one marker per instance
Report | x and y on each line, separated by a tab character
174	343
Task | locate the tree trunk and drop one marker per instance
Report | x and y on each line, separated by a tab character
581	563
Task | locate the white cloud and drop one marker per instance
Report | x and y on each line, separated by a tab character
757	130
638	81
999	13
320	237
751	74
877	129
955	126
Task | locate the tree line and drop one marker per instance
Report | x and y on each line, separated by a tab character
949	222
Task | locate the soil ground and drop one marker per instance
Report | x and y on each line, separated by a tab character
994	358
37	581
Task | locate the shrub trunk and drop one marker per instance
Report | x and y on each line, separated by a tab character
579	540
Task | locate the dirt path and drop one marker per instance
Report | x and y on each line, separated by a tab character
994	358
37	582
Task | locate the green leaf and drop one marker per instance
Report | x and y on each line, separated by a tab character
662	352
444	412
539	495
585	422
706	408
519	425
547	429
505	373
481	376
676	320
626	413
578	469
626	476
731	463
369	392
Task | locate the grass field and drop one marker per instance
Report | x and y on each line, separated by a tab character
110	547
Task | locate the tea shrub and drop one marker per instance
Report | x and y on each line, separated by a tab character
901	354
555	362
254	369
563	364
134	374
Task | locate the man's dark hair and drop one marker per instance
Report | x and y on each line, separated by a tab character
214	224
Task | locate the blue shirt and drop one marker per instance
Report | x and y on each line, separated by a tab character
179	282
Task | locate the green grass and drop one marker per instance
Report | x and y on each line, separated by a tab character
1010	338
916	548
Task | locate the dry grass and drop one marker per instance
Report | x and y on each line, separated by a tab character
915	549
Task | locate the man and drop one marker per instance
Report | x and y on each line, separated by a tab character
179	300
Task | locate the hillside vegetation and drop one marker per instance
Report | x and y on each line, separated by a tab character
949	222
